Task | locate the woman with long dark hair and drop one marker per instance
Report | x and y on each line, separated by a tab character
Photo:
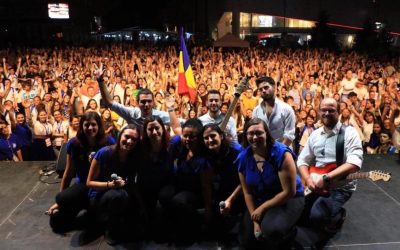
155	171
221	154
92	106
156	167
80	150
272	190
111	181
108	123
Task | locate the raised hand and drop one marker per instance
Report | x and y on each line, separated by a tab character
170	102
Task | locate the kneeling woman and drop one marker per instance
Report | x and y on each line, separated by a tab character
191	191
80	149
111	182
272	190
226	189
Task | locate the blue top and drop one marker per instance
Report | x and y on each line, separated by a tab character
225	174
80	157
374	141
154	172
265	185
24	133
108	166
187	171
8	147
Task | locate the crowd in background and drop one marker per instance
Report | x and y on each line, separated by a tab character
43	92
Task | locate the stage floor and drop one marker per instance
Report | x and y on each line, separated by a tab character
373	213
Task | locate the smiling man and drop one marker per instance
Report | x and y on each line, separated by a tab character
325	205
214	114
134	115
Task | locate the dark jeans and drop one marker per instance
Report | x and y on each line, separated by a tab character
112	208
26	152
181	213
326	211
276	225
224	227
70	202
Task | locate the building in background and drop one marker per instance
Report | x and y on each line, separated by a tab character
258	20
30	22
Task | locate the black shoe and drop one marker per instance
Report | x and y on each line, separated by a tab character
60	224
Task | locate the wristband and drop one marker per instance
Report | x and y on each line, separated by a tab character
171	109
326	178
107	185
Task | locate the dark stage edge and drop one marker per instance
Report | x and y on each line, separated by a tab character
373	213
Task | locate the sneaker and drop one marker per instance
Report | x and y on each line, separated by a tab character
336	228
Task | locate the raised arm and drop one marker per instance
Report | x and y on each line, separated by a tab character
18	66
104	92
5	67
174	121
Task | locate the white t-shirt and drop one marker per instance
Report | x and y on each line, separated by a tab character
348	85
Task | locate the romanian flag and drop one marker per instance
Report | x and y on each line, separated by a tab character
186	83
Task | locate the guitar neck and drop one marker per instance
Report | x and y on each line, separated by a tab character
229	112
358	175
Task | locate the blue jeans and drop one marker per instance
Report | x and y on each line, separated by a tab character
327	211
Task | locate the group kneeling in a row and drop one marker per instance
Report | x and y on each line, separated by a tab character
192	186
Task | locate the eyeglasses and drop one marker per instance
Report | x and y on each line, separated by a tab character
330	111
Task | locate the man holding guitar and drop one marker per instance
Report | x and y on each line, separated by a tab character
332	143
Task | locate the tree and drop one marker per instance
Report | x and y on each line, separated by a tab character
323	36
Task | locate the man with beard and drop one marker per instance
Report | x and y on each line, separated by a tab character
214	114
134	115
324	206
278	115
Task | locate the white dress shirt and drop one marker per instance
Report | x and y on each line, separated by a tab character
281	123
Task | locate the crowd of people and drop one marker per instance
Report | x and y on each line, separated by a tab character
147	156
60	85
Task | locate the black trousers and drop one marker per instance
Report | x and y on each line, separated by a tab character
26	152
70	202
182	211
116	211
276	225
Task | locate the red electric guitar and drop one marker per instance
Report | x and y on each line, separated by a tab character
317	173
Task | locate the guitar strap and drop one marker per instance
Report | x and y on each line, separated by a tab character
340	146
